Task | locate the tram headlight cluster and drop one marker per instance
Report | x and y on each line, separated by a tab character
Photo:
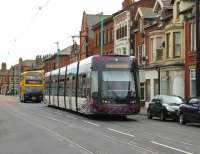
106	101
133	102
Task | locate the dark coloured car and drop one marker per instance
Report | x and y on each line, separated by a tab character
189	111
164	106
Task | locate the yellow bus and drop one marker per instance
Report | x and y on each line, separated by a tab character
31	86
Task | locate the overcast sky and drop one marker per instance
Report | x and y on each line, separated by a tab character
30	27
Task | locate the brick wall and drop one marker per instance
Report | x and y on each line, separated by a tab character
50	63
190	57
109	43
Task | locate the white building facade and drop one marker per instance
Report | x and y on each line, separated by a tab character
122	33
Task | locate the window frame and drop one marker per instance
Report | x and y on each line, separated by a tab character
151	45
192	77
168	35
193	36
142	86
160	38
111	35
176	44
148	95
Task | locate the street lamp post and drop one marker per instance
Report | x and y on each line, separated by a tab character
197	50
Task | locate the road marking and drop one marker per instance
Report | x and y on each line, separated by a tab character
169	147
170	139
91	123
133	145
120	132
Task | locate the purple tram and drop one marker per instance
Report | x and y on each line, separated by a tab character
106	85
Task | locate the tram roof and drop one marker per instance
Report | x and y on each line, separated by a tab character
82	62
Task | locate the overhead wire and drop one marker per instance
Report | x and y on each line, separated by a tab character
31	22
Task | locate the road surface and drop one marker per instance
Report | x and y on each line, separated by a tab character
32	128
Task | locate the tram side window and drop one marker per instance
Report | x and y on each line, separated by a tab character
56	86
94	83
61	88
47	87
73	86
87	86
52	87
67	87
80	86
83	86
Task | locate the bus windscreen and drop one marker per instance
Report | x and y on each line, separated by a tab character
34	78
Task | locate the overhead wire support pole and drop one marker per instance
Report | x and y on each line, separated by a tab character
197	50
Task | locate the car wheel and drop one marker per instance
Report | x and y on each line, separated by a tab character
182	119
149	115
162	116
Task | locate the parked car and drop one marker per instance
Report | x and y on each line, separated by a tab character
190	111
164	106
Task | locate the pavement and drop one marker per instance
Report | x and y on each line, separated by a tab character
143	111
34	128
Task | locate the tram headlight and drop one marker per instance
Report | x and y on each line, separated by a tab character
133	102
106	101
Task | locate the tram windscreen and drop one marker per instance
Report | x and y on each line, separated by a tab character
118	85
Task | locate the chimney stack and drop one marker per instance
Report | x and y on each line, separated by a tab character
127	3
3	67
20	61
